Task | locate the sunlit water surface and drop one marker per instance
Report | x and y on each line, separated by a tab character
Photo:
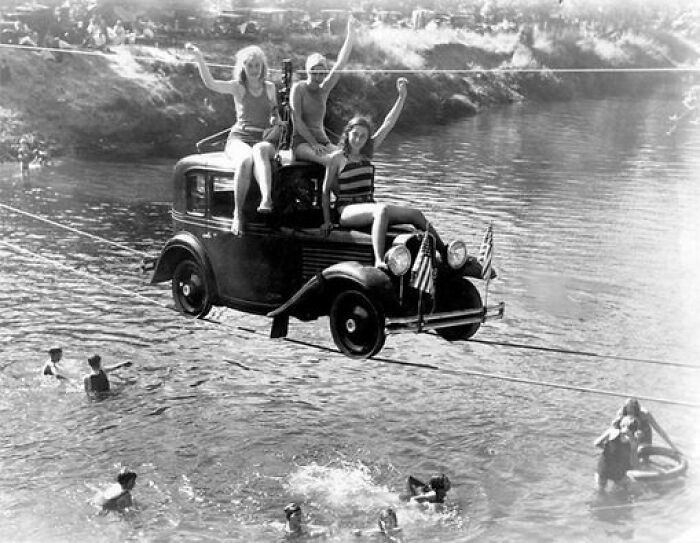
595	214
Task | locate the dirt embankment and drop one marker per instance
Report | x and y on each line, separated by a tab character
140	101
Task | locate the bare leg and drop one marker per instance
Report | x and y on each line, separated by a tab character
381	216
303	151
242	156
359	215
379	228
263	153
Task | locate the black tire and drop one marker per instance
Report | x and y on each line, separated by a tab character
357	324
192	292
453	296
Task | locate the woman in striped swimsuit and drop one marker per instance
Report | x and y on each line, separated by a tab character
350	176
256	110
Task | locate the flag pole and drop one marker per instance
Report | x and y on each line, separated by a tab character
486	255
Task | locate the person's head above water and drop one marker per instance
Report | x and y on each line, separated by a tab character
628	425
250	62
126	478
387	520
632	408
292	511
440	482
55	353
95	361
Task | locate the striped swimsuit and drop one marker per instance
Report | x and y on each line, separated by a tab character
355	184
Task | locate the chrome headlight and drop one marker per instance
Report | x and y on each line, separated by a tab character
456	254
398	260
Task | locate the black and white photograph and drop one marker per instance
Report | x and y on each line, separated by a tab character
405	271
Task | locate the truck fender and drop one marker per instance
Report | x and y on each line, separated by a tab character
365	278
182	245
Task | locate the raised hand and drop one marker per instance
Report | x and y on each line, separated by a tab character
353	24
401	85
192	48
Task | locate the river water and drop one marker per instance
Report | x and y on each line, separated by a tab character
594	210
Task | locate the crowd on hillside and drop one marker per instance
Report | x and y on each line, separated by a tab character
68	27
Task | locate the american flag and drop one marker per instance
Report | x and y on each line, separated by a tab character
422	270
486	253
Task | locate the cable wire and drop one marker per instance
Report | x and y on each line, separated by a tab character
504	70
472	373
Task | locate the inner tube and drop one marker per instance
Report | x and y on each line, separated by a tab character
656	472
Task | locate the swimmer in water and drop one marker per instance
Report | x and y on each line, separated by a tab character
51	366
387	527
619	453
645	421
117	497
97	383
434	492
295	526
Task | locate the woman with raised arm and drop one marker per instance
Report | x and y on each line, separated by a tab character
255	99
350	176
308	102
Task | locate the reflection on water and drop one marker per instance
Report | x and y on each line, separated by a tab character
596	232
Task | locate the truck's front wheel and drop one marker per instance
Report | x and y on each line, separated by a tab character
357	324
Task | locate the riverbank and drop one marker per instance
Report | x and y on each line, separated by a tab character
143	101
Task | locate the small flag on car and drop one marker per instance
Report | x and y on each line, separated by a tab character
486	253
422	270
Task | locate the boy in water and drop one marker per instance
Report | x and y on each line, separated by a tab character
295	527
117	497
96	383
619	453
645	422
51	366
388	527
434	492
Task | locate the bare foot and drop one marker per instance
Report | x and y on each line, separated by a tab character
265	207
236	226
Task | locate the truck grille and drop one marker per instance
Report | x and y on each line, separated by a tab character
316	259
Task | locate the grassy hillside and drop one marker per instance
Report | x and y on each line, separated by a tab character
142	101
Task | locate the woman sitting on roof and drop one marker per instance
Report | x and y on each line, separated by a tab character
308	101
255	99
350	176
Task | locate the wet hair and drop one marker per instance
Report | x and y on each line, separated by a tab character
368	148
630	423
291	508
55	350
384	515
632	408
243	56
125	476
440	482
95	360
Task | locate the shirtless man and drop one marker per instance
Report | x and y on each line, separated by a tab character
96	382
117	497
296	528
51	366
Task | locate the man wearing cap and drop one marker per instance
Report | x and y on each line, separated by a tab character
51	366
308	100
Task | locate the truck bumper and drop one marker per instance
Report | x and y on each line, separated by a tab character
449	319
